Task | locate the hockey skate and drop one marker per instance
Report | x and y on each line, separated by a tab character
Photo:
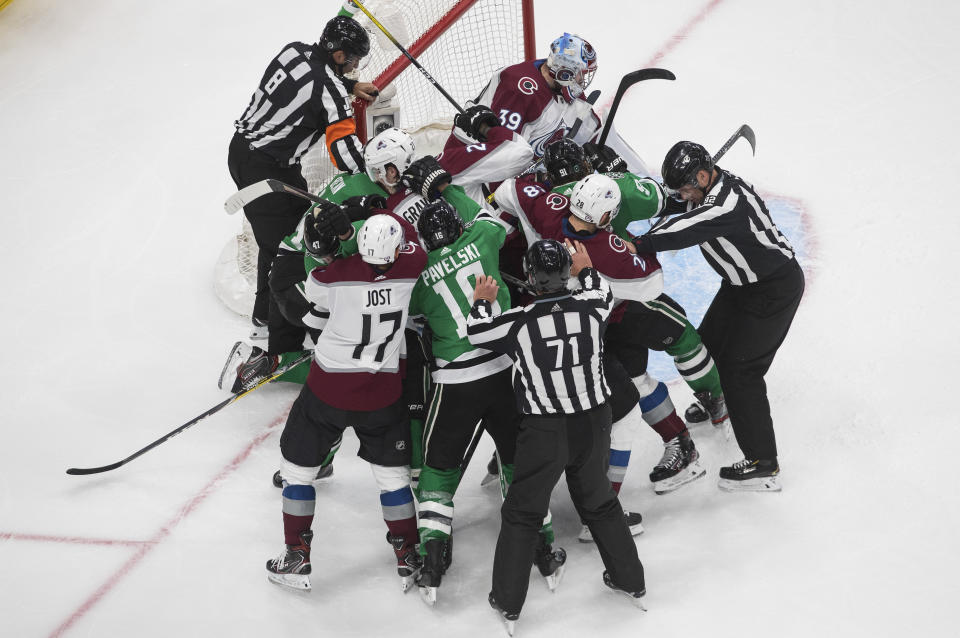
636	597
551	562
493	471
408	561
679	465
432	571
633	520
509	619
257	365
751	476
292	567
325	472
238	354
707	408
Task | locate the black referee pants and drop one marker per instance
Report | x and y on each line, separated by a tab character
272	217
743	328
548	446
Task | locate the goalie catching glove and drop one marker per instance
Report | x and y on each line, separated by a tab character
476	121
426	177
604	159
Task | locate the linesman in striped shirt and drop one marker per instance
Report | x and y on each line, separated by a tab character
302	97
749	317
556	344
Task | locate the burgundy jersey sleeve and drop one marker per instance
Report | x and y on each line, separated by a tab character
637	277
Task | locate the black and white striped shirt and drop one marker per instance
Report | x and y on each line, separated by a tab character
300	99
736	234
556	344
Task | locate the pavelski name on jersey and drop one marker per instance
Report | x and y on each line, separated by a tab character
451	264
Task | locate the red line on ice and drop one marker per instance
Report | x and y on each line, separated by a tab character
164	531
75	540
685	30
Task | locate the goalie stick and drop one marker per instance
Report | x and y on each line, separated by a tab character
746	133
233	397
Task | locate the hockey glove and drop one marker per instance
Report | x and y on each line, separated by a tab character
330	218
360	207
604	159
476	120
426	177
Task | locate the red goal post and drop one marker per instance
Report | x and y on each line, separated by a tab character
460	42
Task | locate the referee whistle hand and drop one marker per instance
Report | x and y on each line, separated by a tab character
579	255
486	288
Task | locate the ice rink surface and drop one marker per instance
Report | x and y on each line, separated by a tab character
114	123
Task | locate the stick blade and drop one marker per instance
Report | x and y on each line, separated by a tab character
749	135
80	471
246	195
646	74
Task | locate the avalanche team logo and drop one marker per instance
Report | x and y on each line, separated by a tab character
407	248
527	85
617	244
556	201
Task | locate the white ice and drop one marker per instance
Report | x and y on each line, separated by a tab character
114	123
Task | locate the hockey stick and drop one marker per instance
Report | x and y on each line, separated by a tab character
629	80
746	133
412	59
191	422
519	283
254	191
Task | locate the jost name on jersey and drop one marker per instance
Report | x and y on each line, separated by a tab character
450	264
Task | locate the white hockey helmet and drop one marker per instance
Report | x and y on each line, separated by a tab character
378	240
593	197
391	146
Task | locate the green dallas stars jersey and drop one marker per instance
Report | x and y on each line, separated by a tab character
444	296
640	198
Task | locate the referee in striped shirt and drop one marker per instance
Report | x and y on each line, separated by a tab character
556	344
761	287
302	97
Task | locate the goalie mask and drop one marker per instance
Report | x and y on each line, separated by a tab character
392	146
572	63
378	240
593	197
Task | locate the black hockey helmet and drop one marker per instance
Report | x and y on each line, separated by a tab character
319	245
345	34
439	224
565	162
682	162
547	266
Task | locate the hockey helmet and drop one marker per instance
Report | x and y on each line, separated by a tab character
392	146
547	266
439	224
378	240
565	161
571	64
682	163
593	197
345	34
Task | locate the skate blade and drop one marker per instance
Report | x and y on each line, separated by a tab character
759	484
635	530
636	600
585	535
297	582
238	354
429	595
407	582
687	475
488	479
553	580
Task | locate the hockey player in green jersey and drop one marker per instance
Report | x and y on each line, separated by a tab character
643	198
472	387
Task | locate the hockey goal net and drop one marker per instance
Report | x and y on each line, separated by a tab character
459	42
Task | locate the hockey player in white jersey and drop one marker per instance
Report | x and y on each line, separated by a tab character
361	305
